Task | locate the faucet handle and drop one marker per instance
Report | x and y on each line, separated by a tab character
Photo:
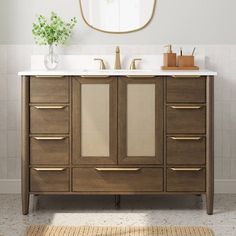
133	63
102	64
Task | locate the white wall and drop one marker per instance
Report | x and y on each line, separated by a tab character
175	21
194	22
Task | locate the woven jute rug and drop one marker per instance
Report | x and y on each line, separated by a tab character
45	230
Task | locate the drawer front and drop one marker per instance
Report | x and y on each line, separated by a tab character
55	90
49	180
49	119
117	180
49	150
186	119
186	90
186	150
186	179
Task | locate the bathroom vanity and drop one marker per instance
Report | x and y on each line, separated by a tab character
117	133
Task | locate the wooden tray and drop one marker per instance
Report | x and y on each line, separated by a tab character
180	68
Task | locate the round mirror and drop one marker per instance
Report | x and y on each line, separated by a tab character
117	16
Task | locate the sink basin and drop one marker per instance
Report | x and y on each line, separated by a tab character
117	71
114	70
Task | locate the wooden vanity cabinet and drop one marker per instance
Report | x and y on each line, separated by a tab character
117	135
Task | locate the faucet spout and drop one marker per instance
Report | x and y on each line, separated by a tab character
117	59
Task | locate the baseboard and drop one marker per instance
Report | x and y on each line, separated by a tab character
10	186
221	186
225	186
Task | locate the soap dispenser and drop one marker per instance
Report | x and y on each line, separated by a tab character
169	57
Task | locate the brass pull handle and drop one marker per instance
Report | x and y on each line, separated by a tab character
49	169
186	138
186	107
50	107
186	169
186	76
49	76
117	169
49	138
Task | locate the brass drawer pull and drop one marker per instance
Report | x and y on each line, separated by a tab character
117	169
50	107
186	107
186	169
186	138
49	169
49	76
186	76
49	138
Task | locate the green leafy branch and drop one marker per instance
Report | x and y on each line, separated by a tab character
54	32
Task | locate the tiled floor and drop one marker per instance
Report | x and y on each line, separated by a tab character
134	211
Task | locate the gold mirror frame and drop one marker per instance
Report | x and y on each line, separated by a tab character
123	32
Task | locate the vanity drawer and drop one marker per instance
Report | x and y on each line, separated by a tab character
186	179
54	89
186	150
118	179
48	150
186	119
49	179
186	90
49	119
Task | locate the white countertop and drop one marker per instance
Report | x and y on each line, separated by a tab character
84	65
144	73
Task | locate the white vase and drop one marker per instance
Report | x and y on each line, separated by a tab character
51	60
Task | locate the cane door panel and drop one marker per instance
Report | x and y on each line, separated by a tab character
140	120
95	120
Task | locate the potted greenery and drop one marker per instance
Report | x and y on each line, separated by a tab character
52	34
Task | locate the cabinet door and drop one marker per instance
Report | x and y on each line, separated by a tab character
140	120
94	121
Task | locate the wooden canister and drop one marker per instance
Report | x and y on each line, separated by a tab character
185	61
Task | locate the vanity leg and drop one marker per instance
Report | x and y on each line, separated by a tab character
209	203
25	144
210	146
117	201
25	204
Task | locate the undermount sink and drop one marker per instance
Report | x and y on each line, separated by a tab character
120	72
117	71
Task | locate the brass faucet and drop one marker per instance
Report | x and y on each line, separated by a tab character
133	64
102	64
117	59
